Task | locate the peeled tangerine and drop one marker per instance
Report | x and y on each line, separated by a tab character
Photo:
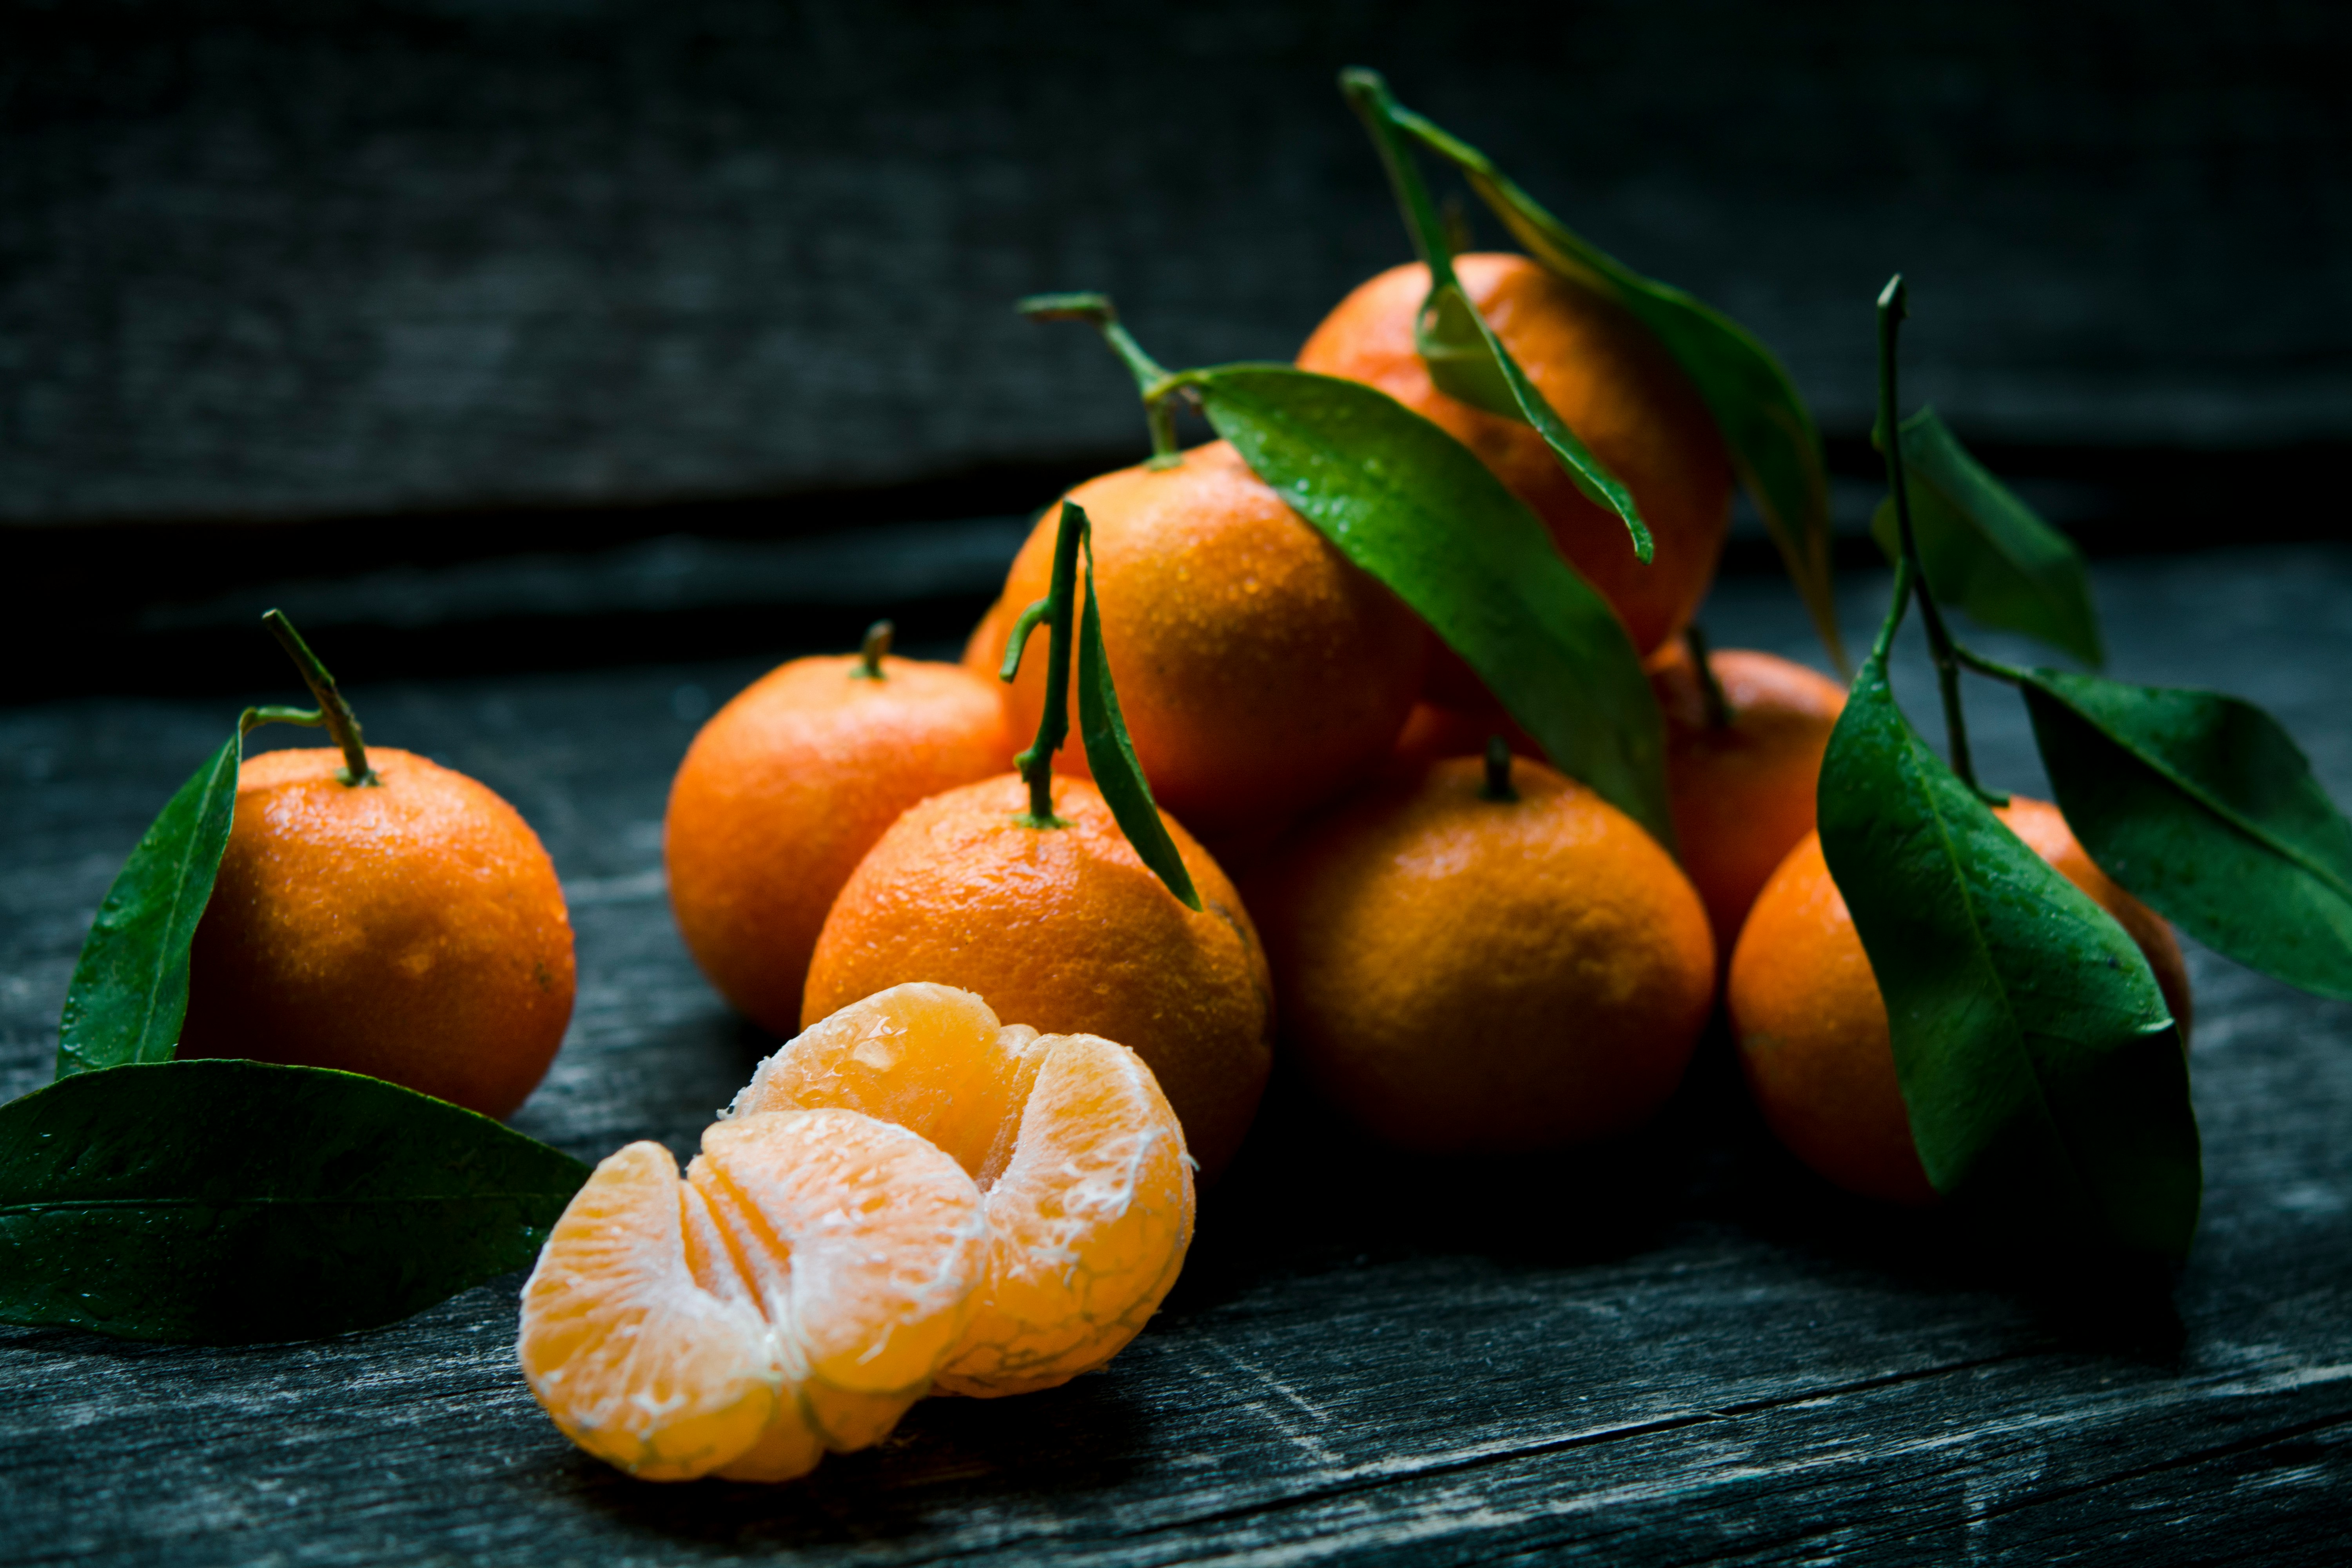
908	1195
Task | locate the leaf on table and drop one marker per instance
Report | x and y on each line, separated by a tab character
1984	550
2202	806
1465	359
1774	445
1110	754
2046	1077
232	1201
130	987
1414	507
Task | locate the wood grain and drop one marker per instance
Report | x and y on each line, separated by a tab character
1681	1349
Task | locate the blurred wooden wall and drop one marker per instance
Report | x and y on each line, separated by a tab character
310	260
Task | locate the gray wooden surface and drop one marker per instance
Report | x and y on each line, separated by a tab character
1681	1351
264	260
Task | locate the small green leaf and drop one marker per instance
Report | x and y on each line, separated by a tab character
1414	507
130	987
1984	550
2202	806
1775	448
2046	1077
229	1201
1110	756
1465	359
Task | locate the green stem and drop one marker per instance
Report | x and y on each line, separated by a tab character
871	653
1498	771
1158	387
1367	91
1710	690
1036	765
333	711
1891	308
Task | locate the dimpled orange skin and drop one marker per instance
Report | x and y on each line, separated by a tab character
411	930
1258	669
786	788
1613	384
1464	975
1742	795
1066	930
1811	1027
983	650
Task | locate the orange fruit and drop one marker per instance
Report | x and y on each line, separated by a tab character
1067	929
1258	669
983	650
792	1294
1811	1027
786	788
411	930
1461	974
1087	1191
1609	380
1431	733
1742	793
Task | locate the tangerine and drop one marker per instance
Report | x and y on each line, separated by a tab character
411	929
1811	1027
1258	669
788	786
1066	927
1486	957
1741	785
1609	380
1087	1190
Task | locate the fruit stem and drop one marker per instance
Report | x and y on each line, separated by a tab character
1498	771
1893	306
1037	764
873	650
1710	690
1158	387
1367	93
340	721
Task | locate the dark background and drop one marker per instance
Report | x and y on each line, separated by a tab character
517	333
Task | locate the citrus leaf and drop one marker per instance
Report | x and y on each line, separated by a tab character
1984	550
2203	807
1110	754
2046	1077
231	1202
1414	507
1775	448
130	986
1465	359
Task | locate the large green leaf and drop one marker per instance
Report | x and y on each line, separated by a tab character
1984	550
2046	1077
228	1202
1775	448
1415	507
2201	805
1110	754
130	987
1465	359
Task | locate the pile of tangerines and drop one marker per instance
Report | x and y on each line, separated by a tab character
1011	1040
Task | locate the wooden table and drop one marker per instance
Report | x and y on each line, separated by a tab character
1683	1350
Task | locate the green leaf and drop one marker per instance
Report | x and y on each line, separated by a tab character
1984	550
229	1201
2204	808
1775	448
1414	507
1465	359
130	987
1110	756
2046	1082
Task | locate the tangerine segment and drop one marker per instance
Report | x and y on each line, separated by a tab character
1089	1195
793	1293
1089	1224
